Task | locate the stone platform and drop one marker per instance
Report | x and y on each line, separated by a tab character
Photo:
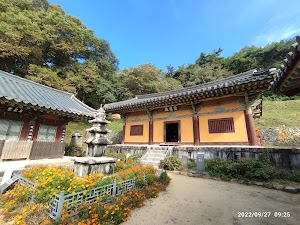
84	166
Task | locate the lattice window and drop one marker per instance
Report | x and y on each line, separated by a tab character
224	125
46	133
136	130
10	130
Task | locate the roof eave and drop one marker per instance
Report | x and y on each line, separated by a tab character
29	106
240	90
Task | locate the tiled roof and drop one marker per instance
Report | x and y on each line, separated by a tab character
250	82
19	91
287	79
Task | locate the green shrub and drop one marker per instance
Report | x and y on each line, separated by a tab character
295	176
116	138
172	163
258	169
192	165
164	178
135	157
243	169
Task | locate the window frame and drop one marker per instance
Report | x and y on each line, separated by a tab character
221	126
8	131
139	128
47	133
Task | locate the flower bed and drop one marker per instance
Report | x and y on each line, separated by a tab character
118	211
17	203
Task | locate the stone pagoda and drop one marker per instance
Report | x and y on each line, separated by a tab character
98	140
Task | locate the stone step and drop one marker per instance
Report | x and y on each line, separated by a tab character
153	163
150	161
157	151
154	158
160	147
154	155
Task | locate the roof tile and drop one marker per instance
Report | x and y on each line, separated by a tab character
247	78
14	88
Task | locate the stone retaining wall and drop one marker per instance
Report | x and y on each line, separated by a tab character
287	158
131	149
280	157
281	136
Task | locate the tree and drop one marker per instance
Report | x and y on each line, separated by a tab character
195	74
252	57
208	67
170	72
213	58
145	79
40	42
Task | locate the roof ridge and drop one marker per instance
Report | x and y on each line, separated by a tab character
249	72
16	77
82	103
251	76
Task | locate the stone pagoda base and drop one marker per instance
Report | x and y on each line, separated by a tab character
84	166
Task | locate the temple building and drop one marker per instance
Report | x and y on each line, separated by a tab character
33	118
215	113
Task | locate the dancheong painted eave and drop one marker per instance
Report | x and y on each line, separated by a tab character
19	92
250	83
287	80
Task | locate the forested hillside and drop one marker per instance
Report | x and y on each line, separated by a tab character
40	42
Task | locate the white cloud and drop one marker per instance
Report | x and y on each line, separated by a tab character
276	34
283	23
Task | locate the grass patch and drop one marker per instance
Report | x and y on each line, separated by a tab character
115	126
279	113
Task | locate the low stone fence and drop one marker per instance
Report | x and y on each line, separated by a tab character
288	158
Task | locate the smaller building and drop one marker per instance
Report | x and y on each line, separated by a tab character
214	113
33	118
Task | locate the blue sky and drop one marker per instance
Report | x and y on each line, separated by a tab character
164	32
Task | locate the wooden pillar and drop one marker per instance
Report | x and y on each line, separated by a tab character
123	132
150	114
250	124
151	132
196	130
124	127
36	130
25	130
195	125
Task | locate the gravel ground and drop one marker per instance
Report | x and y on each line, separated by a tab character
190	201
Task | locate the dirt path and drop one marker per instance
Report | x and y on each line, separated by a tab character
196	201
